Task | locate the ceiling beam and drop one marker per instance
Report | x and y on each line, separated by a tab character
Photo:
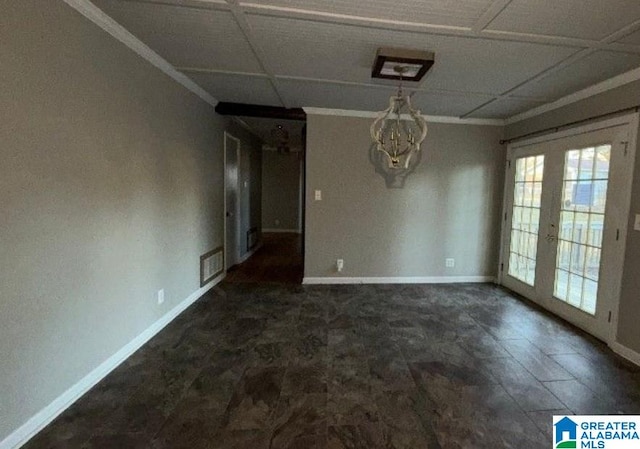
622	32
241	20
606	41
220	5
490	14
425	28
255	110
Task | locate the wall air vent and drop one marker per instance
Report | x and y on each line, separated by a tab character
211	265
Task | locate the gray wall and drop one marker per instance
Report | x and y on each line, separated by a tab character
449	207
280	190
610	101
110	189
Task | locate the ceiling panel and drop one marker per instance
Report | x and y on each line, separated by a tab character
237	88
462	13
505	108
334	96
202	4
186	37
453	105
591	70
363	98
633	39
345	52
586	19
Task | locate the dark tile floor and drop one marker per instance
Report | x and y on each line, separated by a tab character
327	367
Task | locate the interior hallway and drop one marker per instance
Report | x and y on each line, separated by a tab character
279	260
257	366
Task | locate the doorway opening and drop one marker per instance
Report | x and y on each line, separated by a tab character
277	253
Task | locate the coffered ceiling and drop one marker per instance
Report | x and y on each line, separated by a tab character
494	58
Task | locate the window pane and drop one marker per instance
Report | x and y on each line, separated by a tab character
520	163
562	284
603	156
590	296
578	253
532	248
592	263
537	194
580	228
572	165
564	255
525	218
531	271
599	196
539	169
584	197
596	225
518	195
566	225
575	290
567	195
586	163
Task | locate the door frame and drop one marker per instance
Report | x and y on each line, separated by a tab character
632	121
228	136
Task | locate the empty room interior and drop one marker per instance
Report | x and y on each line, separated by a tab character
309	224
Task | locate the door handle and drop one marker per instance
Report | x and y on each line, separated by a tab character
551	238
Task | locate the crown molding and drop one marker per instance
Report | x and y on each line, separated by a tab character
100	18
604	86
428	118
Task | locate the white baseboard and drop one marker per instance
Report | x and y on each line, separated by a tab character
37	422
625	352
272	230
398	280
250	253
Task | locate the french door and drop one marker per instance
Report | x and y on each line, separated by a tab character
566	212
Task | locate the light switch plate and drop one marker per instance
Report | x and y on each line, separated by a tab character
636	226
318	195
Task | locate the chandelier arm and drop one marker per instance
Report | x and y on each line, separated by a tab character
407	160
381	117
420	121
387	155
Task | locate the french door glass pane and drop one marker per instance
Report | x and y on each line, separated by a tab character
584	195
525	218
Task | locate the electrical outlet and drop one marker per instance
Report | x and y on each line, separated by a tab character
277	222
160	296
449	263
340	264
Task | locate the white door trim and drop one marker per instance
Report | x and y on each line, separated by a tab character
632	121
227	136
